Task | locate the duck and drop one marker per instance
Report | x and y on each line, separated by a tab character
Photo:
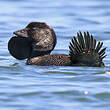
35	44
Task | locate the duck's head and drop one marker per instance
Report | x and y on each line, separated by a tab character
36	39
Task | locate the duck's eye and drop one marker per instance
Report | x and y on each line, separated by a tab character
34	28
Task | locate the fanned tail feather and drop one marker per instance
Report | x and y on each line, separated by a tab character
84	50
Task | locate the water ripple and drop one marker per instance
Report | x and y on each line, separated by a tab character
26	87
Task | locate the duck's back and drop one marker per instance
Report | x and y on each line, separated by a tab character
55	59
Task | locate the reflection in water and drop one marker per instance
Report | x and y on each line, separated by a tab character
52	88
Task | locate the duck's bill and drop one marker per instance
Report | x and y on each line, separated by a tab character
22	32
19	47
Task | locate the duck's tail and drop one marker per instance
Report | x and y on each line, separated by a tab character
85	51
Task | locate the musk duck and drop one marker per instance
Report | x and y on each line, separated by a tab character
37	40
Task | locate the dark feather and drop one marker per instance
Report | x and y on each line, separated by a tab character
86	40
80	40
98	47
92	42
102	54
77	45
103	50
103	57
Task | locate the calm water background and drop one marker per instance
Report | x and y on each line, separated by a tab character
25	87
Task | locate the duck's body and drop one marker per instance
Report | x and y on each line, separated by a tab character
47	60
39	39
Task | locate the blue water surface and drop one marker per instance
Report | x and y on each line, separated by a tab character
26	87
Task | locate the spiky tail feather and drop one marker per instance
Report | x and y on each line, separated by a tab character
85	51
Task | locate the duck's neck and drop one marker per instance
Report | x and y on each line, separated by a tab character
38	53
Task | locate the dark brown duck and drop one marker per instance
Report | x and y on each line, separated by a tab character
83	49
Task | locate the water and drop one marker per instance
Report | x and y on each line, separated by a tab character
29	87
